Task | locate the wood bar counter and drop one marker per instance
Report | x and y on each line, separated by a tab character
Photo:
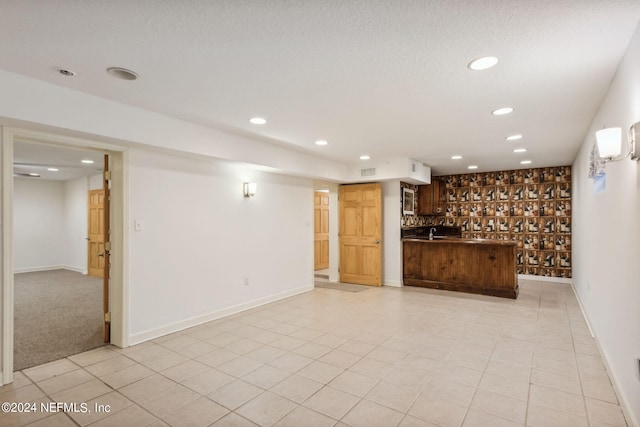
478	266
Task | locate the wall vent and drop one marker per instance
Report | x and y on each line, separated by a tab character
368	172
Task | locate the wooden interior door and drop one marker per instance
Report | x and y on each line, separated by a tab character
361	234
321	230
106	178
96	233
99	244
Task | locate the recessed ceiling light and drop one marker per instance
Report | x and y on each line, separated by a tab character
258	121
520	150
53	169
456	157
502	111
321	142
472	167
33	174
65	72
365	157
513	137
86	161
122	73
482	63
525	162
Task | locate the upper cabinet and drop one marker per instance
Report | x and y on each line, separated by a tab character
431	198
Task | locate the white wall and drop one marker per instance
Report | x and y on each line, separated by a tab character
75	224
38	222
201	239
392	246
50	225
394	169
95	182
607	238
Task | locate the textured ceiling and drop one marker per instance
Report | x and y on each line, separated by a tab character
385	78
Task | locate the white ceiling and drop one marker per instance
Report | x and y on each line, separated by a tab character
385	78
38	158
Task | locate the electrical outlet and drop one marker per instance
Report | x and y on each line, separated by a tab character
246	281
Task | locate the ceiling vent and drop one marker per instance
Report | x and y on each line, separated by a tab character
122	73
368	172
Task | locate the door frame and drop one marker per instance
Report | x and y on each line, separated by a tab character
119	236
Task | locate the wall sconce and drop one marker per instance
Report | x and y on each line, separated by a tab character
610	143
249	189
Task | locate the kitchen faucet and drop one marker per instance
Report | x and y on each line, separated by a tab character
431	233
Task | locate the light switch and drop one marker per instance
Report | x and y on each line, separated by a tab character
137	225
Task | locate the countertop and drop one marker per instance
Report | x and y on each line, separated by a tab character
445	239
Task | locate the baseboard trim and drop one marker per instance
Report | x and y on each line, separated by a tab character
76	269
35	269
624	403
544	278
198	320
584	313
394	283
50	267
520	277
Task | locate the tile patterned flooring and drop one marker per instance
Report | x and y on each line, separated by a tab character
383	357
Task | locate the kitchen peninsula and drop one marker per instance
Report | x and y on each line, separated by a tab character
480	266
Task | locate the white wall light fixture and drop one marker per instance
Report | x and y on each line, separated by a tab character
610	143
249	189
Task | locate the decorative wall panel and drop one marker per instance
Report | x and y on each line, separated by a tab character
530	206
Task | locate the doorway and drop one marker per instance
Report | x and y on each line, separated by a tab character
9	138
354	228
57	306
329	234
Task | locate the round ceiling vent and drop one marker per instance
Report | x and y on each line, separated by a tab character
122	73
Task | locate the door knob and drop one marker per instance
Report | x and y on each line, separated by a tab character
102	254
377	242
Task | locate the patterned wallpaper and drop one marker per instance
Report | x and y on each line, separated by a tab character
529	206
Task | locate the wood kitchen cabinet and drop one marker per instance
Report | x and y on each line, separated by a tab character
478	266
431	198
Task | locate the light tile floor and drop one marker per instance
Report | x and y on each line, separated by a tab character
382	357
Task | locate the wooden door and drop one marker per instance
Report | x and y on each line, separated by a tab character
96	233
361	234
106	177
321	230
99	244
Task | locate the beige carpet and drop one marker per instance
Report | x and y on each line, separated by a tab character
57	313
